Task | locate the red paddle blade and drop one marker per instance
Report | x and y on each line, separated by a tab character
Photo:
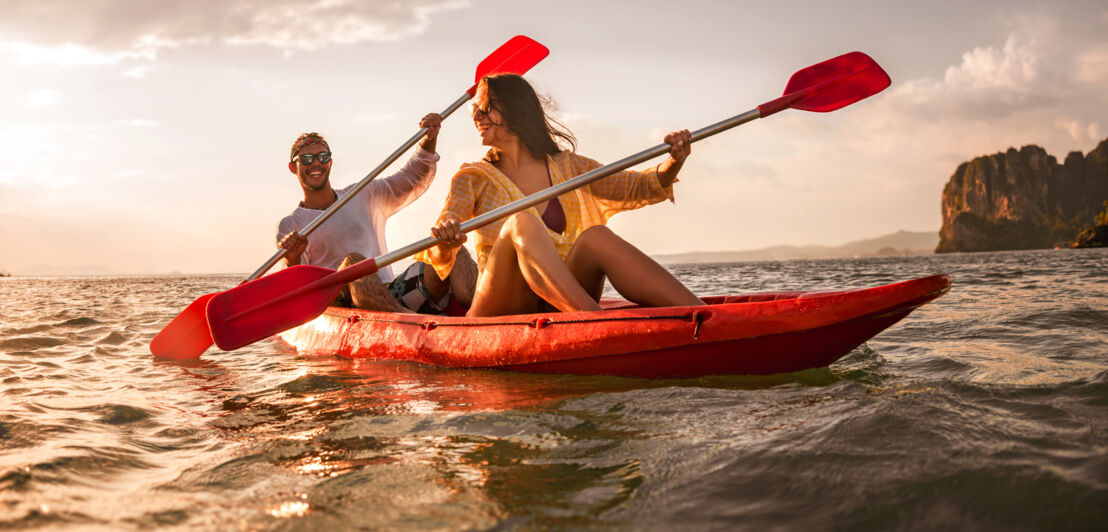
261	308
187	336
516	56
831	85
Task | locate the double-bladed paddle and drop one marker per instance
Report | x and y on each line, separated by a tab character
259	309
188	336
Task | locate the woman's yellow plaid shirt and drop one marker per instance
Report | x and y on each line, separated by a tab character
479	187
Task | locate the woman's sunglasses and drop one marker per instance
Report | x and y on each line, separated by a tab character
479	111
323	157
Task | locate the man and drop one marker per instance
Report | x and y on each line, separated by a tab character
357	230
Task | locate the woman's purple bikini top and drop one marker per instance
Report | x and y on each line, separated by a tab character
554	217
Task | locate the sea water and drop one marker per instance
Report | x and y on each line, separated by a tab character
986	409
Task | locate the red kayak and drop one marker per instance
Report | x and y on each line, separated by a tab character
749	334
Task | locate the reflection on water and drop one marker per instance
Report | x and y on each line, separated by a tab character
985	409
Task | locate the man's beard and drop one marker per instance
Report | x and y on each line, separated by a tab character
316	188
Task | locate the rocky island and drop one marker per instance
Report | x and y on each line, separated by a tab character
1023	199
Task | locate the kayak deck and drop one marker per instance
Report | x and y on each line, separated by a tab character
761	333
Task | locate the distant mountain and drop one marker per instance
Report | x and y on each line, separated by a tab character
63	270
900	243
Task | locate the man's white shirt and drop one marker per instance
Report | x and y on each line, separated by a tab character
359	226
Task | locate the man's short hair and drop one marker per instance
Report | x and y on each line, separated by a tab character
307	139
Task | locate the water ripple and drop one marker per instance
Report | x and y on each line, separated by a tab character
986	409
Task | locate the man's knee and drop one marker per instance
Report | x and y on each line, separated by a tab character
431	280
370	293
351	259
463	253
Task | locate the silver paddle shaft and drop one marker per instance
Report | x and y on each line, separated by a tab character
566	186
357	188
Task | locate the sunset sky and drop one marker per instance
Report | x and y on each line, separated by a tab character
152	137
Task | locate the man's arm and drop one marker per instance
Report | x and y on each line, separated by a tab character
402	188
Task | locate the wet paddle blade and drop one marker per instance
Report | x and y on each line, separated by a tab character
187	336
831	85
261	308
516	56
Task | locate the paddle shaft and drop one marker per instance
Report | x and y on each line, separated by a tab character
371	266
764	110
559	189
342	200
809	89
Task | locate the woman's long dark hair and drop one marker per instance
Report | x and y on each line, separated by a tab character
524	114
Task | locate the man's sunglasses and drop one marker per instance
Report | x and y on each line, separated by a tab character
323	157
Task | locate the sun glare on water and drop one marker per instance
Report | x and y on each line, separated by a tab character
290	509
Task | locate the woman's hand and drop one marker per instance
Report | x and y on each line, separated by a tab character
295	244
449	234
680	146
433	122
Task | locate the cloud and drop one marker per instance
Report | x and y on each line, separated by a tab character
68	54
43	97
374	118
1014	67
142	122
283	24
99	32
1044	69
748	170
988	82
133	172
138	72
12	196
1080	131
1092	66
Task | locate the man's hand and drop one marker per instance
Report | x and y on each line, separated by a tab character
295	244
432	122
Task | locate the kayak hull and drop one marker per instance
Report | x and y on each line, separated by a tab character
753	334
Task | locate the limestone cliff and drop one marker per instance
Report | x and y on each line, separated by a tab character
1022	199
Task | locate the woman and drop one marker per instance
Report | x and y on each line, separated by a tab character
555	255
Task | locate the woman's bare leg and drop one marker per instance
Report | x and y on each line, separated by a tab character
523	266
600	253
501	288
